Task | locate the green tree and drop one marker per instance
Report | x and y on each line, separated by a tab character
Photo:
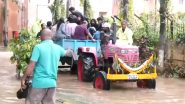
126	10
87	8
57	9
131	11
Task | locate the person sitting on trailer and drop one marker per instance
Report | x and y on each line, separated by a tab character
105	37
81	32
70	26
80	17
105	34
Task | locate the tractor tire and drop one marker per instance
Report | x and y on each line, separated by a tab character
100	81
142	83
86	68
151	83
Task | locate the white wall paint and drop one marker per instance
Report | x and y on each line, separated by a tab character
38	9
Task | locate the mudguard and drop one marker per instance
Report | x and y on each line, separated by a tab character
91	51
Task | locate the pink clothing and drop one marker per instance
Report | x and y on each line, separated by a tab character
81	33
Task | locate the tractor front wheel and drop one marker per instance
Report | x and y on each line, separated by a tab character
151	83
100	81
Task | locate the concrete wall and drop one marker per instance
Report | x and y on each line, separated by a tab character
178	6
38	9
146	6
176	53
99	6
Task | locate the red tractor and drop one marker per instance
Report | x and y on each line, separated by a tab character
115	62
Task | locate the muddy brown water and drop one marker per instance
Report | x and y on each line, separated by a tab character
72	91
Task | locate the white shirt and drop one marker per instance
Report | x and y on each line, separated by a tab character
70	29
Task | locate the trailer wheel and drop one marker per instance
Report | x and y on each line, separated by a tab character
142	83
100	81
86	68
151	84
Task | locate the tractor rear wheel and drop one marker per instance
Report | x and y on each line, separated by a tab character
142	83
100	81
151	83
86	68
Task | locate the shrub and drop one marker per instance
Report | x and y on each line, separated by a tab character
22	48
172	70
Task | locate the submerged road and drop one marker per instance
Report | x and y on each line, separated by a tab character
72	91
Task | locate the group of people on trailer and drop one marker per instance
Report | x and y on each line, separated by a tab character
79	27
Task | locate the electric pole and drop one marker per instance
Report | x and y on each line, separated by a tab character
162	11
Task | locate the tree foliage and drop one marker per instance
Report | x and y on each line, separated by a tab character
145	26
22	47
57	9
126	10
131	11
87	8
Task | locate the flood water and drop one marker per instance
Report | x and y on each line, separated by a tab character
72	91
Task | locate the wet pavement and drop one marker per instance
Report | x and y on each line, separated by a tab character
71	91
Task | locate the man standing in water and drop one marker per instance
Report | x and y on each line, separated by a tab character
44	66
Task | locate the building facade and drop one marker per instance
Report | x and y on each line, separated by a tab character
17	17
23	13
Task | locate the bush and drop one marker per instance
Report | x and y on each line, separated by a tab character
22	48
143	27
172	70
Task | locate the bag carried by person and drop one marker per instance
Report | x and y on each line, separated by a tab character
22	93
